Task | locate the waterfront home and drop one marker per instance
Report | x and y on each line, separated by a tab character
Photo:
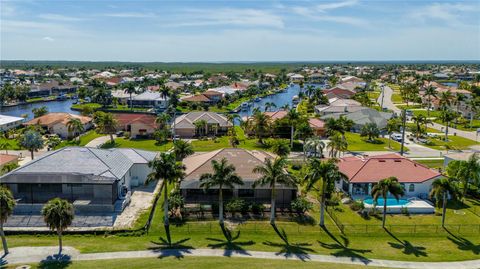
174	85
56	123
150	99
338	105
94	180
361	116
51	88
122	96
9	122
209	97
138	125
296	78
187	126
338	92
364	171
244	162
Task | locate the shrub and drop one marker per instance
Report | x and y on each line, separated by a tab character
175	202
257	209
404	211
357	206
296	166
301	205
334	199
234	206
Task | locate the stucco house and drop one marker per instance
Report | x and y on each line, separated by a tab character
364	171
150	99
94	180
138	125
56	123
216	124
9	122
244	162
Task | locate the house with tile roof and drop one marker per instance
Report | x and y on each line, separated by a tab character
244	162
56	123
216	124
365	171
138	125
92	179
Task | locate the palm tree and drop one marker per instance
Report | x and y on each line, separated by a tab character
393	125
273	173
321	177
281	148
441	189
474	109
130	90
201	125
292	117
32	141
446	117
269	105
7	203
465	171
370	130
4	145
162	120
430	92
165	167
315	144
261	125
337	144
182	149
74	126
58	214
223	176
232	117
382	189
445	99
106	123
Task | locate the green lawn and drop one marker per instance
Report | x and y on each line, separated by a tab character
409	106
432	163
145	144
358	143
432	114
397	98
454	142
84	139
91	105
190	262
465	125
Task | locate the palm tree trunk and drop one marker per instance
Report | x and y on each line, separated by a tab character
272	205
291	136
165	205
444	209
220	206
446	132
384	211
111	138
389	142
322	210
465	187
131	106
429	106
4	240
60	245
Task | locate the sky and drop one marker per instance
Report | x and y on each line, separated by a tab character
246	30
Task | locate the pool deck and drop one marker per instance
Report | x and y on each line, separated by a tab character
415	206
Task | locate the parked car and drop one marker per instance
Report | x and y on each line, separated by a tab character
396	136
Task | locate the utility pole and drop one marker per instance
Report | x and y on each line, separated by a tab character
404	122
383	95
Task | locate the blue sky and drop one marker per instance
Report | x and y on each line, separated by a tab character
245	30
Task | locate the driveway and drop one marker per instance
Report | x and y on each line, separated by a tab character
99	141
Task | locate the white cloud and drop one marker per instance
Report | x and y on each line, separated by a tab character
335	5
451	14
319	15
59	17
49	39
229	16
130	15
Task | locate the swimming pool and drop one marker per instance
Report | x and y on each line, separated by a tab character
390	202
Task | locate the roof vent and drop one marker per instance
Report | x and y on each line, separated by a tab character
382	161
398	161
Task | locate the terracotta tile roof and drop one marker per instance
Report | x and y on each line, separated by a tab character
212	93
125	119
196	98
7	158
375	168
316	123
277	115
51	119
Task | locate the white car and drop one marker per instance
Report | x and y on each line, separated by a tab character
396	136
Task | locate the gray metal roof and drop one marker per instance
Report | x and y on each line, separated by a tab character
106	163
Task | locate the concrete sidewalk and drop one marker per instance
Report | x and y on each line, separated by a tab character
99	141
23	255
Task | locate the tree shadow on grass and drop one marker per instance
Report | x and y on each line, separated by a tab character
171	249
463	243
287	249
406	246
57	261
230	244
342	249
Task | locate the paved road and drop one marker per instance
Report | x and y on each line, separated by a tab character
387	102
22	255
99	141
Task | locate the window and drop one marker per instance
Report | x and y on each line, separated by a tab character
246	193
411	188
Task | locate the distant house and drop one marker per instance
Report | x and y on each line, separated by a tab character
122	96
51	88
138	125
318	126
94	180
150	99
9	122
244	161
363	116
174	85
363	172
56	123
208	97
338	92
217	124
296	78
337	105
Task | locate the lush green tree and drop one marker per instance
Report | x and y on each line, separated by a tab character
320	178
7	203
130	89
165	167
261	125
447	116
382	189
371	131
9	167
53	141
336	145
201	127
281	148
441	189
75	127
467	172
315	145
58	214
32	141
292	117
182	149
430	92
106	124
39	111
223	176
393	125
273	172
102	96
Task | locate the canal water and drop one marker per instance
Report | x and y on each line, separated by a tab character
52	106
